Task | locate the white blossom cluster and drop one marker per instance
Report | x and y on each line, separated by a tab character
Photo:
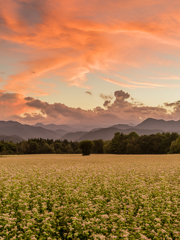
93	197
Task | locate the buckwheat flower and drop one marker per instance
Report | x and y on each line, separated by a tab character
105	216
15	237
163	231
125	233
144	237
113	237
137	229
157	219
33	238
29	224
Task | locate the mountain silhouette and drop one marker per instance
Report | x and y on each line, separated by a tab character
26	131
12	138
52	131
108	133
54	127
167	126
74	136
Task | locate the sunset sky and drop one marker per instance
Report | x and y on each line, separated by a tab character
97	62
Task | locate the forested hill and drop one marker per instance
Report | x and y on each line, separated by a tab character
121	143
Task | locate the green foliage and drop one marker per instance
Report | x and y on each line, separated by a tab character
39	146
98	146
68	149
106	147
33	147
145	144
175	146
78	151
58	147
47	148
86	146
120	144
132	146
2	148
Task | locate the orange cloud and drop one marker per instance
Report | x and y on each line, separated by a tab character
71	39
133	85
118	110
150	84
12	103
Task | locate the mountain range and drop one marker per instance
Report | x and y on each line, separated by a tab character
15	131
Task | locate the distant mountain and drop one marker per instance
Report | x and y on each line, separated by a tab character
12	138
73	136
9	124
103	133
166	126
52	131
54	127
122	126
108	133
61	132
141	131
95	129
26	131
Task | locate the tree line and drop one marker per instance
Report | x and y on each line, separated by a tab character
120	144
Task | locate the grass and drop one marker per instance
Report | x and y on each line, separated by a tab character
90	197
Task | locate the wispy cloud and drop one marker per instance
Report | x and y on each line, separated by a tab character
150	84
88	92
126	85
106	97
167	78
74	39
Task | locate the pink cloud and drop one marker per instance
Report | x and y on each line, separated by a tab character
74	38
118	110
12	103
122	84
150	84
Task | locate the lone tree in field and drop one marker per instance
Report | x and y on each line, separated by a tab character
86	146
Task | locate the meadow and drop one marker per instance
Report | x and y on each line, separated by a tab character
90	197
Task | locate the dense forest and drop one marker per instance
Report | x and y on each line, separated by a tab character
121	144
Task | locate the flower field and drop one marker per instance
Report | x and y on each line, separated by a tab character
92	197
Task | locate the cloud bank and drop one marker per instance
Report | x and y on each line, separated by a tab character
120	109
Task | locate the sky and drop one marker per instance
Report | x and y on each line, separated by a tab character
95	63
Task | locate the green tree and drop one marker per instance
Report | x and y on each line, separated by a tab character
47	149
58	147
132	146
118	143
98	146
175	146
68	149
86	146
106	147
33	147
10	147
2	148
